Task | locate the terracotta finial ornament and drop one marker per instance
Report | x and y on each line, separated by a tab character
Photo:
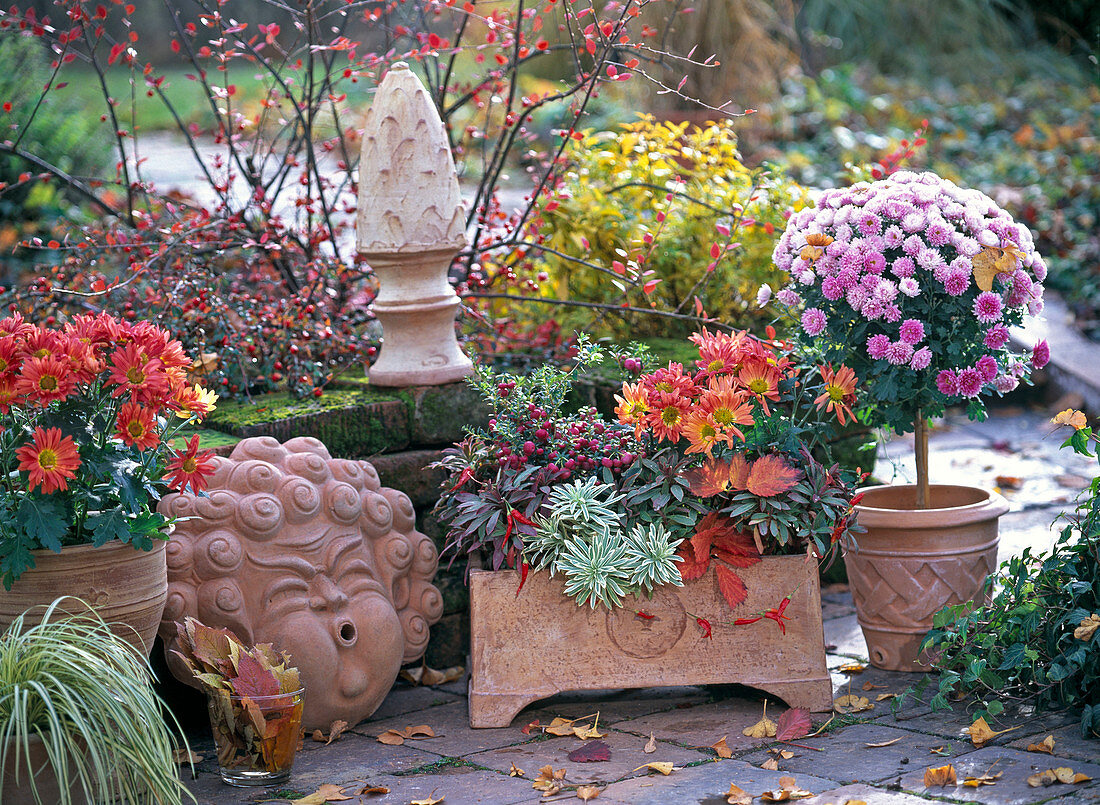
411	223
293	547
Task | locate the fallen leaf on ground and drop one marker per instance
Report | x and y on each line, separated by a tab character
334	731
764	728
391	738
851	703
1008	481
940	775
1046	746
852	668
419	731
1062	774
515	771
560	726
883	697
650	746
587	733
430	676
884	743
782	754
374	791
549	781
984	779
533	725
940	750
398	737
771	764
788	790
185	755
722	748
738	796
869	685
1087	628
591	752
587	792
793	724
429	800
981	734
326	793
663	767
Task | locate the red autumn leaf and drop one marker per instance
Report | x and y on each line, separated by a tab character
253	679
736	547
731	586
208	645
793	724
533	725
689	568
591	752
738	472
709	480
771	475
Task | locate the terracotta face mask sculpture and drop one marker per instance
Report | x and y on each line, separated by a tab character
310	553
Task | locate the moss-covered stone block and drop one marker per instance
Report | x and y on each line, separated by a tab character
408	472
350	422
441	413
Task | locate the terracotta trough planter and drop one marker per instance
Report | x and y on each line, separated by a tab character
538	643
913	562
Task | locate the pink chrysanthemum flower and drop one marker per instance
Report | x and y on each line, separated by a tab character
877	346
988	307
899	353
956	283
996	336
832	288
922	359
1005	383
947	381
1040	354
813	321
904	267
970	383
911	331
909	287
987	367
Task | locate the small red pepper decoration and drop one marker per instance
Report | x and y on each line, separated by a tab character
523	568
705	624
641	613
778	616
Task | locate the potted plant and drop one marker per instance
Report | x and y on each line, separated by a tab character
79	719
914	283
88	412
686	531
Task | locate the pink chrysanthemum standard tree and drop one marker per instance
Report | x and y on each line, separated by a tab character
914	282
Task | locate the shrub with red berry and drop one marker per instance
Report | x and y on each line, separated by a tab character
88	412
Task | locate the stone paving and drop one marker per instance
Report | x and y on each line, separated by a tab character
1014	450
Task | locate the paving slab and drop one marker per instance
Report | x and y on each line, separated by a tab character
860	792
705	724
843	636
706	784
1068	742
846	753
626	756
458	784
614	706
454	736
1011	787
404	698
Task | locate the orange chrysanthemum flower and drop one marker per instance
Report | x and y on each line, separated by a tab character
8	395
632	406
195	400
143	377
839	393
42	343
50	459
726	406
703	433
190	468
136	426
670	380
761	380
666	417
9	354
44	380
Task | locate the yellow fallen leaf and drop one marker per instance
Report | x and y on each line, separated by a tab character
391	738
788	790
782	754
884	743
1046	746
882	697
869	685
335	731
944	750
771	764
587	733
326	793
663	767
1068	776
587	792
374	791
853	668
984	779
940	775
650	746
515	771
738	796
722	748
1088	627
851	703
981	734
560	726
420	731
549	781
764	728
429	800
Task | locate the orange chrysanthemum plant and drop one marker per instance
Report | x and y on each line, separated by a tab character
737	442
88	413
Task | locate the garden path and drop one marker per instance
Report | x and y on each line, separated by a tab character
1014	450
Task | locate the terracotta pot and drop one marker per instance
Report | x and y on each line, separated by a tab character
530	645
44	780
913	562
124	585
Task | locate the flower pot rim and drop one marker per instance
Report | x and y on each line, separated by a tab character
990	505
112	544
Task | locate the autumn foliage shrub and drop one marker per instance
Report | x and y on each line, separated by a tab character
664	215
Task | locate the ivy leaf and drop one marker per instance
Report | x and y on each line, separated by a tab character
43	520
731	586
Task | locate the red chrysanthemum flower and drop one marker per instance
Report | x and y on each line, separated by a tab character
44	380
633	406
50	459
143	377
15	325
670	380
42	343
839	393
190	467
136	426
726	406
666	417
9	355
8	395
